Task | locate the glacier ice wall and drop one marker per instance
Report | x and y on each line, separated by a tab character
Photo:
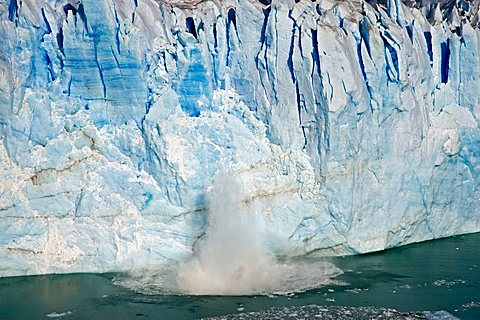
352	126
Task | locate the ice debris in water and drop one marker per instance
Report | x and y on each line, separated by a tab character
59	314
337	313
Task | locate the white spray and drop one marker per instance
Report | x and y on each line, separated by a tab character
233	259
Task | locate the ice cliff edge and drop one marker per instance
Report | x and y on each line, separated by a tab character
353	126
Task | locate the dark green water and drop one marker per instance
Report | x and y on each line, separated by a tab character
437	275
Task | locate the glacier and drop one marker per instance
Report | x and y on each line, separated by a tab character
352	126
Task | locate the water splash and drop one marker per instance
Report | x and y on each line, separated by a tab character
233	258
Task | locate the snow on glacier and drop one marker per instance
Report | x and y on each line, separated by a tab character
351	127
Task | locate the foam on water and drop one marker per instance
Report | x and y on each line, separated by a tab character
291	277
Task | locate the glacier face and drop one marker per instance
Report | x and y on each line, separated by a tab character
353	127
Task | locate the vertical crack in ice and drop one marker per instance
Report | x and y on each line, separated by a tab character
300	102
59	37
83	17
263	37
409	29
460	71
49	65
48	60
315	53
321	107
13	11
428	39
190	25
215	37
263	48
97	63
117	28
364	73
365	35
299	108
47	24
393	74
69	86
117	63
135	6
445	62
272	72
231	19
292	47
214	55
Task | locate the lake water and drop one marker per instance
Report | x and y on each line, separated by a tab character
436	275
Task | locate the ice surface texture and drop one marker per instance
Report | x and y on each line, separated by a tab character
352	127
